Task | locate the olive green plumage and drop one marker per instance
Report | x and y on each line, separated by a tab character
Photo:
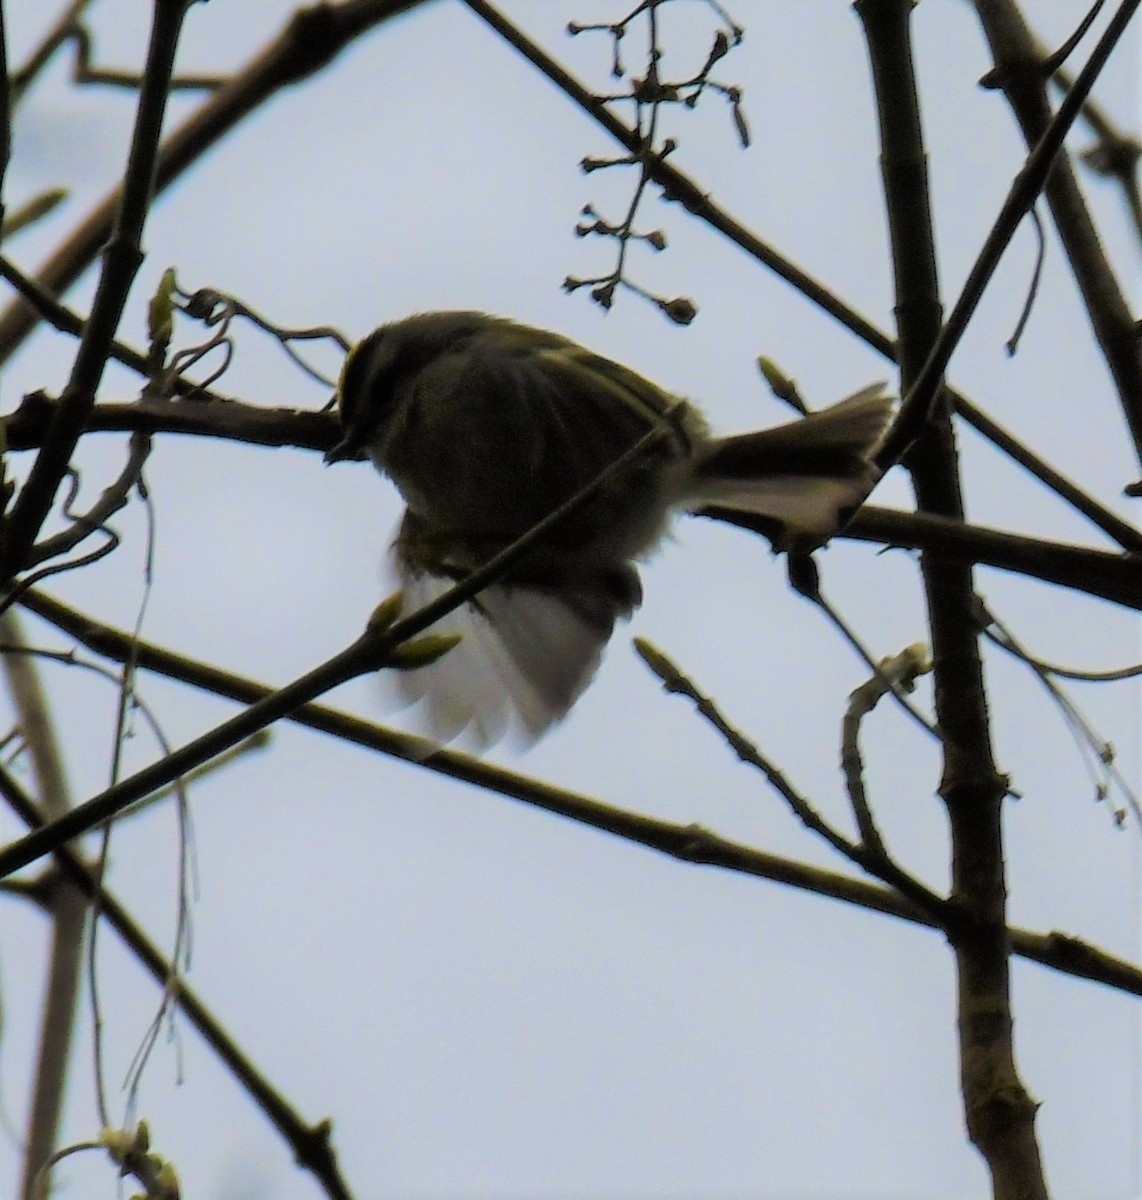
486	426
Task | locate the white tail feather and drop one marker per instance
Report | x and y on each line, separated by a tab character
828	457
523	654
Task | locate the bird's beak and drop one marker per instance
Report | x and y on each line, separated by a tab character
346	449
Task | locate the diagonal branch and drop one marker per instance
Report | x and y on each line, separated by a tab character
1022	73
679	187
687	843
311	1144
310	40
122	258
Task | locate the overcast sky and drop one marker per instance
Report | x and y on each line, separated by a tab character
488	1000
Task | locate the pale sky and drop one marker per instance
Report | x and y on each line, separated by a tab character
487	1000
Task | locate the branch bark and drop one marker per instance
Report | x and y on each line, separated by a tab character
999	1112
687	843
311	39
1110	576
1023	75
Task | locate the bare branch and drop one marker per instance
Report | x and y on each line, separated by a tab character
311	1143
688	843
1022	74
122	259
892	675
999	1113
681	188
311	39
1116	577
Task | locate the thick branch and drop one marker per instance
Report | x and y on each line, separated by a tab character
999	1112
1114	577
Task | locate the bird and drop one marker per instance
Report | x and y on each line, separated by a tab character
486	426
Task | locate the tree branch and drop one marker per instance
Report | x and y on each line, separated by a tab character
311	1144
122	258
687	843
1022	74
1114	577
681	188
999	1112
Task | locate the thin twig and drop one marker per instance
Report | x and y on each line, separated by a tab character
66	320
891	677
67	908
1097	753
1012	343
805	577
111	500
1054	61
870	856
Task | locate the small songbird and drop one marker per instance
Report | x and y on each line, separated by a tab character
486	426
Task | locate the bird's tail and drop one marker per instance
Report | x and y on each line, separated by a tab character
809	474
